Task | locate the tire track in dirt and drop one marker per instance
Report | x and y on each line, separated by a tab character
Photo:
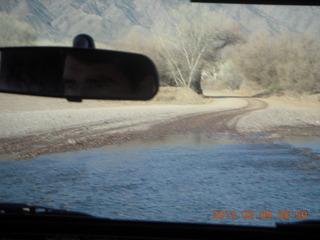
95	136
222	121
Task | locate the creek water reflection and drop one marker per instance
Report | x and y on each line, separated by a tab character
182	178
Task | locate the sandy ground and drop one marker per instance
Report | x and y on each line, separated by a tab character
31	125
24	115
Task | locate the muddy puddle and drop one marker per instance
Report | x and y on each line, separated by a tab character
183	178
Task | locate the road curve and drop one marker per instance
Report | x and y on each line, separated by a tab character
222	121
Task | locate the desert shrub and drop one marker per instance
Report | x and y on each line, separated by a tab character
286	62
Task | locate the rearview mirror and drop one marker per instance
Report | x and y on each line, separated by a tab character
77	73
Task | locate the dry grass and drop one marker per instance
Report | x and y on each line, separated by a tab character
166	95
178	95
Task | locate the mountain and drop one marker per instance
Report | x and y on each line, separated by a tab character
276	19
110	20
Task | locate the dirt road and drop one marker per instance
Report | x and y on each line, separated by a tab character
222	121
138	122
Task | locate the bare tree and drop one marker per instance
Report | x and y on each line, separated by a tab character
191	37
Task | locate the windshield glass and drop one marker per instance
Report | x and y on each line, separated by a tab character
232	137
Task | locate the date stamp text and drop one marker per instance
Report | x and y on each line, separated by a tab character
281	214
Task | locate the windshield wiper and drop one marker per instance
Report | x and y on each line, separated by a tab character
24	209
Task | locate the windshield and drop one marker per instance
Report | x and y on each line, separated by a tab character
232	137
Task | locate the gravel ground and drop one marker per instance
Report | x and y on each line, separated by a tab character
282	115
31	126
27	117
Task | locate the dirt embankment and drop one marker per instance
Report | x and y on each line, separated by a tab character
33	126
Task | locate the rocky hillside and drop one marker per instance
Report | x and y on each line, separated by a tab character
109	20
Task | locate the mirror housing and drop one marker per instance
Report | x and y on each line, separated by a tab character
77	73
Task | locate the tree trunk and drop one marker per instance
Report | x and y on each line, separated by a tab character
196	83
